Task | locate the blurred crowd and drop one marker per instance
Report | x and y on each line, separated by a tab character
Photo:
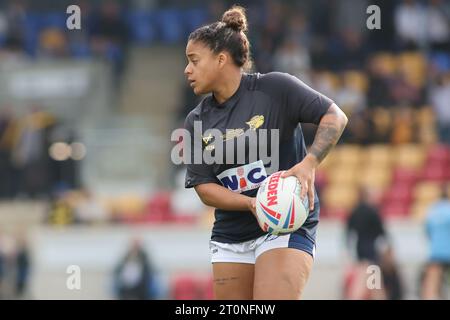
369	243
379	77
134	276
38	31
15	266
393	83
30	165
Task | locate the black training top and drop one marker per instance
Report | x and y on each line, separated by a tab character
263	101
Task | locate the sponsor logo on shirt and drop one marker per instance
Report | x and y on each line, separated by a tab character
254	123
233	133
213	146
244	178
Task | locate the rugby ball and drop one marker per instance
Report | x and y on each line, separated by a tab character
279	208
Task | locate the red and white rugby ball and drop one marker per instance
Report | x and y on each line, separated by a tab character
279	208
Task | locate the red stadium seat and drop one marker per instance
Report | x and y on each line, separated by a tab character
340	214
208	288
183	219
404	176
186	287
158	208
435	172
395	209
439	154
399	192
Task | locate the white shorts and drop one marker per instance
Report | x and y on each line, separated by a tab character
249	251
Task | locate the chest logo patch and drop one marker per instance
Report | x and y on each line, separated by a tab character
255	122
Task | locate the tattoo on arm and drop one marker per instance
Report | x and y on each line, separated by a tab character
327	135
222	281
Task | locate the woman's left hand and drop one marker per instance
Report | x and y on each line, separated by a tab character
305	172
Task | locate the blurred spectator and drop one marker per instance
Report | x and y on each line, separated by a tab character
273	24
365	227
440	101
410	24
383	39
134	274
298	29
2	267
110	35
264	55
293	58
392	281
347	50
437	226
22	265
402	127
418	25
321	21
12	33
365	235
380	79
14	266
29	154
344	9
438	26
53	43
350	98
403	92
6	122
63	168
360	129
14	18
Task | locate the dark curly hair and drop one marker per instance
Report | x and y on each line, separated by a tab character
229	34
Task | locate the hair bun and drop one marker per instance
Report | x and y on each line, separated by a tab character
235	19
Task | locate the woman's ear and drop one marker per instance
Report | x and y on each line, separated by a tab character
223	58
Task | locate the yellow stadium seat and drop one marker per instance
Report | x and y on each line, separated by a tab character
378	156
403	131
340	197
331	78
382	119
411	156
356	80
129	204
343	174
414	66
373	176
425	116
419	211
386	62
348	154
427	192
426	122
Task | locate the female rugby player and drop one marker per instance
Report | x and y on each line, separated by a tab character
247	262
